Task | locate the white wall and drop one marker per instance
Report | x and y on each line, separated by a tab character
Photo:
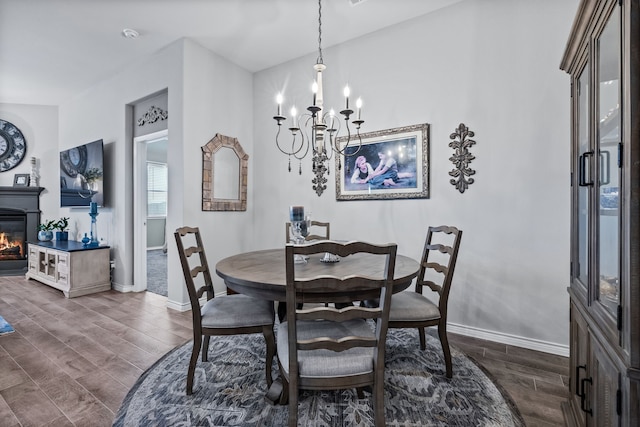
39	125
493	65
218	99
206	94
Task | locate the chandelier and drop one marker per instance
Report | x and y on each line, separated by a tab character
316	131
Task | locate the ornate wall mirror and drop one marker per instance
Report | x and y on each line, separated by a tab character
224	175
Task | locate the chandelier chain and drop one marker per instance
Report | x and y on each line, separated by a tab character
319	60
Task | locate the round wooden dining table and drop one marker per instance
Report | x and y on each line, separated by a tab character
261	274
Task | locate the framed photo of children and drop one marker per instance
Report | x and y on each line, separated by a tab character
389	164
21	180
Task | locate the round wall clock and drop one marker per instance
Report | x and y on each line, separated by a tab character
13	146
74	160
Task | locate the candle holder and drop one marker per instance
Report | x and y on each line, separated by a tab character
93	213
299	231
296	213
33	180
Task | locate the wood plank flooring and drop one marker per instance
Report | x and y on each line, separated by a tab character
72	361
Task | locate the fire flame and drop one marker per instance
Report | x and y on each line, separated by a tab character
6	244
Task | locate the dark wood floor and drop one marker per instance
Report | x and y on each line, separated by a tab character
72	361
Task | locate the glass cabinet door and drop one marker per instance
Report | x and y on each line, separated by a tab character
582	220
608	110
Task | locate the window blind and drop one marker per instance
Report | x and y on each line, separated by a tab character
157	187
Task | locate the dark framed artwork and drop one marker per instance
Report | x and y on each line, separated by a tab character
389	164
82	175
21	180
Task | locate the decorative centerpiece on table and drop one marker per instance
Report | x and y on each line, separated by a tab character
45	230
86	240
299	229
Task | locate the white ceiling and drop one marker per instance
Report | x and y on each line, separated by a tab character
51	50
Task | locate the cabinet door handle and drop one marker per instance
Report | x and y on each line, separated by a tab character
578	392
583	394
605	168
582	169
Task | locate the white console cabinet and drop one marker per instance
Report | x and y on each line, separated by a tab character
70	266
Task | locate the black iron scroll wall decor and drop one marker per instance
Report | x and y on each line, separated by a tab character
461	158
153	115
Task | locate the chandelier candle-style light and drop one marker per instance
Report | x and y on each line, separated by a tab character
322	127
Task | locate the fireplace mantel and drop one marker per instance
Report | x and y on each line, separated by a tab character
18	191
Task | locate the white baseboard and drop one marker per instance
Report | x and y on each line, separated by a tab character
514	340
121	288
174	305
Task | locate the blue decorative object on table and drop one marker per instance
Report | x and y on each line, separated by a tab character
296	213
86	240
45	236
93	213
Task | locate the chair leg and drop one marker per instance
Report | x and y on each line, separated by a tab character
269	339
197	344
423	345
284	397
284	394
378	401
205	349
442	333
293	403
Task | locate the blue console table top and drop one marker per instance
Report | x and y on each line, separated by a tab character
67	245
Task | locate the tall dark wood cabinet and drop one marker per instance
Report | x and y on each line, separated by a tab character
603	58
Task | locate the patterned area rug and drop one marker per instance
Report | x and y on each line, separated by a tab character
5	328
229	390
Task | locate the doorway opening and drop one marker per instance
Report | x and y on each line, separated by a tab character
150	212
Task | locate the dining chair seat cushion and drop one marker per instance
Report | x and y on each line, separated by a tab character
235	311
327	363
412	306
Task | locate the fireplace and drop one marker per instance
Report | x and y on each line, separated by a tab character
13	234
19	219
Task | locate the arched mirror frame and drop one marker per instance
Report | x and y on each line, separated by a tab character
209	201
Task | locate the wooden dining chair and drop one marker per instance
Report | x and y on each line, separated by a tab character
220	315
411	309
326	348
323	230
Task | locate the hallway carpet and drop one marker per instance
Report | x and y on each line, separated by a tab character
157	272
